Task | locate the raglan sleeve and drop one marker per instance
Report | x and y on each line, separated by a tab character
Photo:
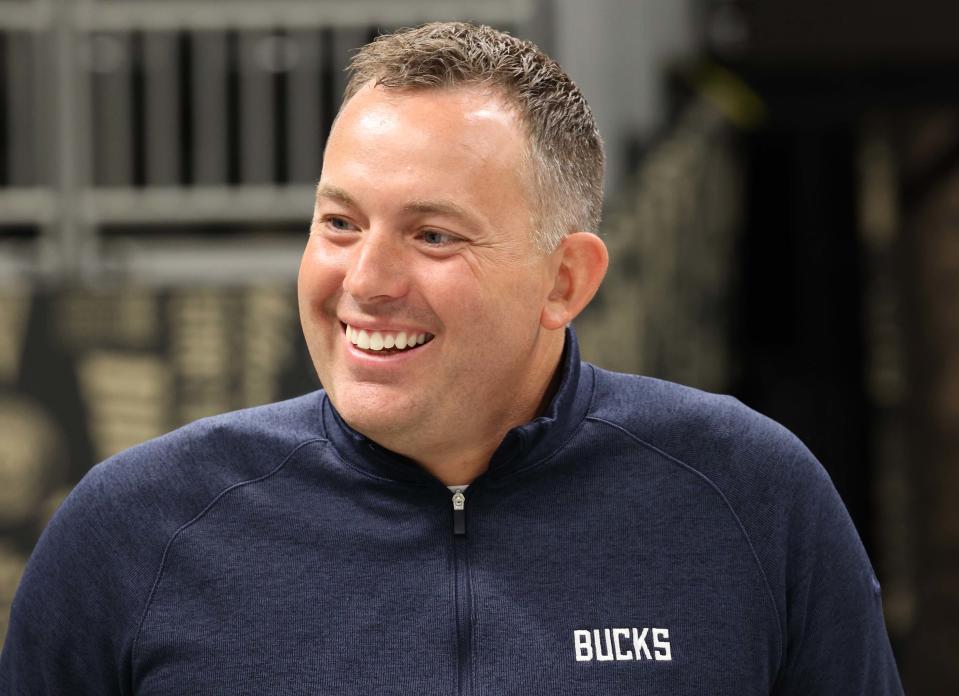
69	626
836	639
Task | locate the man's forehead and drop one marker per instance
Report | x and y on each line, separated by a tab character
471	118
456	152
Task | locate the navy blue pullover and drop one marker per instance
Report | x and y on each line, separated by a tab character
638	538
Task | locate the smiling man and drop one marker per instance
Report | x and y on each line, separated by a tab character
465	508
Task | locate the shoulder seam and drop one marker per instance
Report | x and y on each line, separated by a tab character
196	518
712	484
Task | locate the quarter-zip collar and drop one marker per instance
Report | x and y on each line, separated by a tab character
521	448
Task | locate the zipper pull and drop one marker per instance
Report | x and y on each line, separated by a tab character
459	514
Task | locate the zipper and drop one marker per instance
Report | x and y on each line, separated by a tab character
463	598
459	514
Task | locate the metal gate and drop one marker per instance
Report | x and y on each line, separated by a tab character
134	134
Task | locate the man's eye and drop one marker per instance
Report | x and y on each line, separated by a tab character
338	224
434	238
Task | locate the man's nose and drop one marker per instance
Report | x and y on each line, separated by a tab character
376	268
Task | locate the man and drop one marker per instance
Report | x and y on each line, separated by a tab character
616	534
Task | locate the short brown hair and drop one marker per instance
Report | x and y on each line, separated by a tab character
566	151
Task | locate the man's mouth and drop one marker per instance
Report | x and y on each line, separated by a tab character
386	341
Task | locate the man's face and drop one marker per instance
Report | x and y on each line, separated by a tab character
422	232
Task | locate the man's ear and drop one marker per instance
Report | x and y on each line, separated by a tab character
580	263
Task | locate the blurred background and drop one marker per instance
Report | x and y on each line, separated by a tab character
783	219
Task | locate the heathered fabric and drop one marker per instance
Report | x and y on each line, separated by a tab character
277	551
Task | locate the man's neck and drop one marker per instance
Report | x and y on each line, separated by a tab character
459	458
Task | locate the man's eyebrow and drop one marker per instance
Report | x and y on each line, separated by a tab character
336	194
441	207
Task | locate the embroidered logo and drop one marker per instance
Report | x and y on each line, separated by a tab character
606	644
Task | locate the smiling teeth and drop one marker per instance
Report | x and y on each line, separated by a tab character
384	340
